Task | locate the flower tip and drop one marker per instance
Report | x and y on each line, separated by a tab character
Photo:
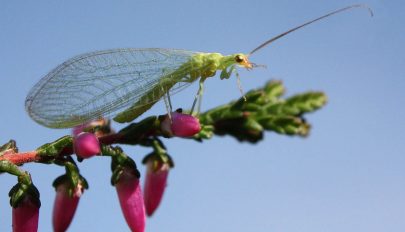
131	201
25	216
86	145
155	185
64	208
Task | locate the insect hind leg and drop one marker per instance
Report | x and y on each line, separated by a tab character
168	104
197	97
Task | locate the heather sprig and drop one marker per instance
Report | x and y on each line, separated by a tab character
246	119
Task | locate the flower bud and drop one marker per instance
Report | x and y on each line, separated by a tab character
131	200
65	206
25	215
86	145
155	184
181	125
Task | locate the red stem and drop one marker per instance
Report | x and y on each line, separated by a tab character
33	156
21	158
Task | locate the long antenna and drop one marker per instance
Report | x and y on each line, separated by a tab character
309	22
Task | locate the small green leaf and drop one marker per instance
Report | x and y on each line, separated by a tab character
285	125
274	89
251	125
116	175
9	146
20	191
53	149
206	132
119	162
160	158
307	102
250	98
7	166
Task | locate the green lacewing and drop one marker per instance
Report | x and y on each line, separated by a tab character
124	83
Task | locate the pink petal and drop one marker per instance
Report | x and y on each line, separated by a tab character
64	209
86	145
155	184
131	201
25	217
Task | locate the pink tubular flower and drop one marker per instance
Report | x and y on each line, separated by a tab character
131	200
155	184
25	216
64	207
181	125
86	145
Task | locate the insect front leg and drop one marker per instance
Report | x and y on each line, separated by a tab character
227	74
239	85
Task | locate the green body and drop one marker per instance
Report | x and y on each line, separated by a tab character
200	66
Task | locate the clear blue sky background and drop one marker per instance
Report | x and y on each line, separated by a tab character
348	175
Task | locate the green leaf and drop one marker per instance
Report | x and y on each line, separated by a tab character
119	162
53	149
288	125
10	146
7	166
307	102
206	132
298	104
20	191
116	175
160	158
274	89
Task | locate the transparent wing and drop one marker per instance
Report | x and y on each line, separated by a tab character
100	84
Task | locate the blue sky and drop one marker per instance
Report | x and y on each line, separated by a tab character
348	175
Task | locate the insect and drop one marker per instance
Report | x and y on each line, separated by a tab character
124	83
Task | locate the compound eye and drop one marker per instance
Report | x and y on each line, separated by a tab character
239	59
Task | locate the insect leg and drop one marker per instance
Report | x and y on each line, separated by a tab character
239	85
198	95
199	102
168	105
170	101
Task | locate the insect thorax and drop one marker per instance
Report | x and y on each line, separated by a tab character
205	65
